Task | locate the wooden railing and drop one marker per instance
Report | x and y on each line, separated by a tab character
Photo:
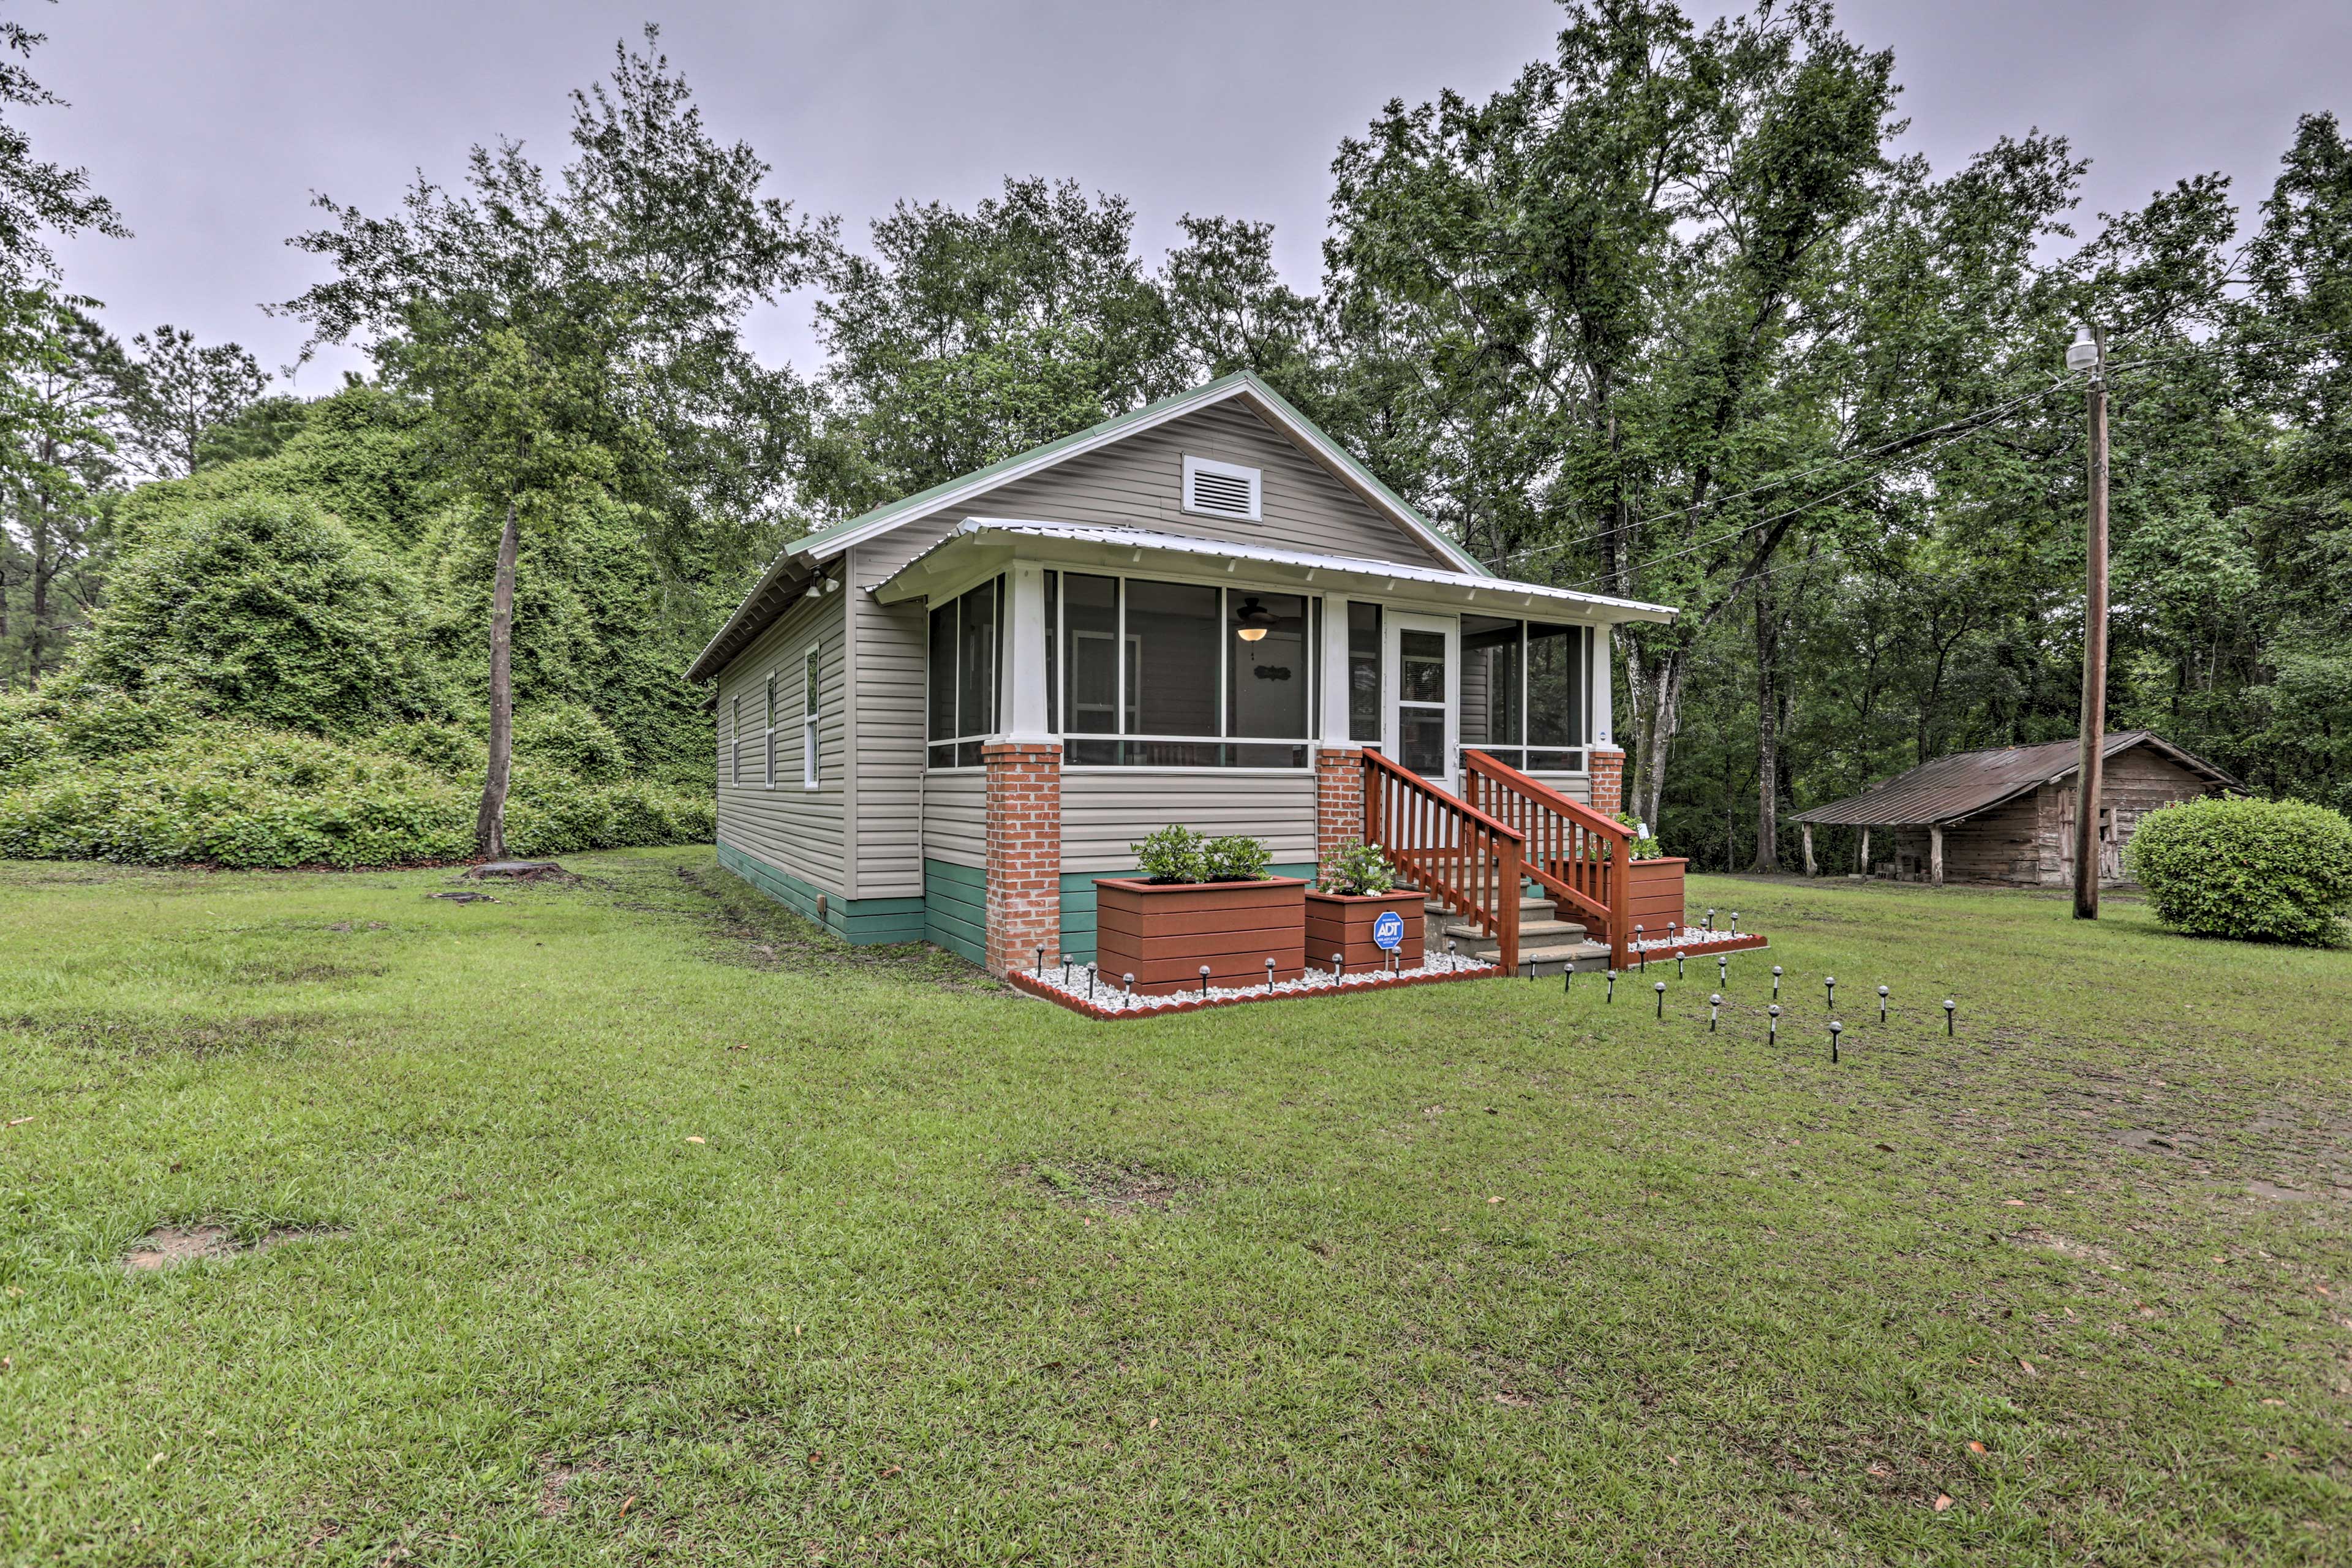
1573	851
1464	858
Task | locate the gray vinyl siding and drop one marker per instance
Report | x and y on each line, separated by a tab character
798	830
1104	812
955	819
889	740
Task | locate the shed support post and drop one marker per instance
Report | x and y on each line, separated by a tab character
1864	866
1810	869
1936	853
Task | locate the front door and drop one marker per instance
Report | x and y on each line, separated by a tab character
1420	729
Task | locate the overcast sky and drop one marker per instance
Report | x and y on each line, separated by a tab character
210	124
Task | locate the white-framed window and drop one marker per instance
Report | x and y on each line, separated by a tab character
811	673
735	744
768	746
966	651
1525	692
1181	675
1221	489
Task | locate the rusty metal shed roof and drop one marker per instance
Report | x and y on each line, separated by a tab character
1952	788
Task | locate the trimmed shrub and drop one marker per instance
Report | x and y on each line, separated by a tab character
2259	870
1235	858
1173	853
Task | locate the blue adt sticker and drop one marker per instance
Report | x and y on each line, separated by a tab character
1388	932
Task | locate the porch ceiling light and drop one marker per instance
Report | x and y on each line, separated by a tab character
1255	619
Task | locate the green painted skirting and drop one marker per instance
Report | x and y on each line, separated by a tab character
955	909
1078	907
865	922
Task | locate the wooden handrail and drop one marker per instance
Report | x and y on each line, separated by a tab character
1466	858
1571	850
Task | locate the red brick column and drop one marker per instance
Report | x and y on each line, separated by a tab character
1608	779
1339	799
1024	853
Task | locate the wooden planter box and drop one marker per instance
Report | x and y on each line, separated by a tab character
1656	890
1161	934
1342	924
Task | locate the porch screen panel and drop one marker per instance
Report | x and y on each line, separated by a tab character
943	664
1492	687
975	672
1363	672
1172	685
1556	665
1268	693
1090	665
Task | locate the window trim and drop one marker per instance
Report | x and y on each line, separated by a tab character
812	712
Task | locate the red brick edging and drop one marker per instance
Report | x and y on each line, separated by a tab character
1038	987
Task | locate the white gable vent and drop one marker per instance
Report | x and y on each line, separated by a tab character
1220	489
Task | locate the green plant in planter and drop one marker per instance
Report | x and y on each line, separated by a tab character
1356	870
1174	854
2259	870
1645	845
1236	858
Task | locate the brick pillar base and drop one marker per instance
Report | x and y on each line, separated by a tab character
1024	853
1608	779
1339	799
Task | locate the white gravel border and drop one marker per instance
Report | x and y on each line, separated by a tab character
1082	984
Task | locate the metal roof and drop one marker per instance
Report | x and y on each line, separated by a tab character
804	557
972	533
1952	788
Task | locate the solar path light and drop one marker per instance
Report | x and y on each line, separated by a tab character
1772	1029
1641	951
1836	1029
1269	977
1776	983
1829	988
1723	969
1339	962
1949	1006
1204	983
1678	963
1612	987
1710	920
1735	922
1713	1002
1882	1004
1661	1000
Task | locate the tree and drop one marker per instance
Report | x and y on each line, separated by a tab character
56	452
37	197
175	392
967	337
578	342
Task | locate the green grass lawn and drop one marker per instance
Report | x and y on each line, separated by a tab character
649	1226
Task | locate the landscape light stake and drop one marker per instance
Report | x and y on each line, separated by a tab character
1949	1006
1678	963
1836	1029
1269	977
1642	950
1735	922
1129	981
1829	987
1882	1004
1713	1002
1723	969
1661	1000
1041	963
1339	962
1531	971
1776	983
1612	988
1093	973
1204	983
1772	1030
1710	920
1568	977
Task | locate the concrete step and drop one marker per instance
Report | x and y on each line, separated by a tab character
1532	933
1532	907
1584	957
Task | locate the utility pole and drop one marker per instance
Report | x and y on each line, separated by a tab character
2089	351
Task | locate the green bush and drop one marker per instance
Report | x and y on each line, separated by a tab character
2258	871
1356	870
234	795
1174	854
1234	858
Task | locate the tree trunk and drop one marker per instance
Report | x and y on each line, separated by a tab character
491	826
1768	735
45	567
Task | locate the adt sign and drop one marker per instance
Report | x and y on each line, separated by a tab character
1388	932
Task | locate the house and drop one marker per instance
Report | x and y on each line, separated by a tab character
941	720
2007	815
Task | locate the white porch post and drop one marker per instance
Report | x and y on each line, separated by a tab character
1332	729
1025	672
1604	661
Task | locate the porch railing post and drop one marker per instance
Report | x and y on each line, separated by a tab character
1506	908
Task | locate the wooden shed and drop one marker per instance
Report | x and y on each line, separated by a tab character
2007	815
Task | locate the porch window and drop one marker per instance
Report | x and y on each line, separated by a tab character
735	744
1363	672
1180	675
965	651
769	778
1523	691
811	671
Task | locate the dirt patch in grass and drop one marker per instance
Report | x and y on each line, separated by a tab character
555	1481
294	971
1119	1188
129	1037
169	1245
751	929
